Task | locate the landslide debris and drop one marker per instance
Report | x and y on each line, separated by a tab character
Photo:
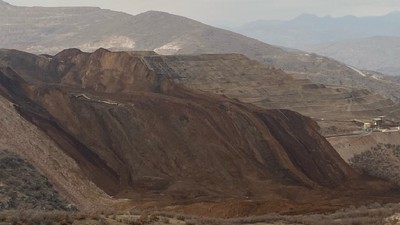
139	135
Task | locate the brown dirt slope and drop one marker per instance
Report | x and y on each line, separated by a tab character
90	94
139	135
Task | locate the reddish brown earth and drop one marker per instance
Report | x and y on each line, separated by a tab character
139	135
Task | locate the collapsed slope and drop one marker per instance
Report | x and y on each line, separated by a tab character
136	134
126	119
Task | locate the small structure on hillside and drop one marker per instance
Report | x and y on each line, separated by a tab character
367	126
377	123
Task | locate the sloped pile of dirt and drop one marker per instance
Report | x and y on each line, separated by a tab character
139	135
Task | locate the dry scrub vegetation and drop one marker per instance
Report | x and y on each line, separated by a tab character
23	187
381	161
373	214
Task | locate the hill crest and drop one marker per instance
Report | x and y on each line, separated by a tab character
3	3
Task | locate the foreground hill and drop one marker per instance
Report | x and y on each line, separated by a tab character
138	135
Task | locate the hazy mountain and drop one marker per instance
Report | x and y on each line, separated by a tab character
49	30
376	53
309	29
2	3
370	43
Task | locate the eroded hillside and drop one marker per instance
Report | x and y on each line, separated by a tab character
139	135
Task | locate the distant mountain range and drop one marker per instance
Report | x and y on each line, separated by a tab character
307	29
50	30
378	53
370	43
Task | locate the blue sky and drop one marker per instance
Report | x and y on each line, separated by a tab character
233	12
